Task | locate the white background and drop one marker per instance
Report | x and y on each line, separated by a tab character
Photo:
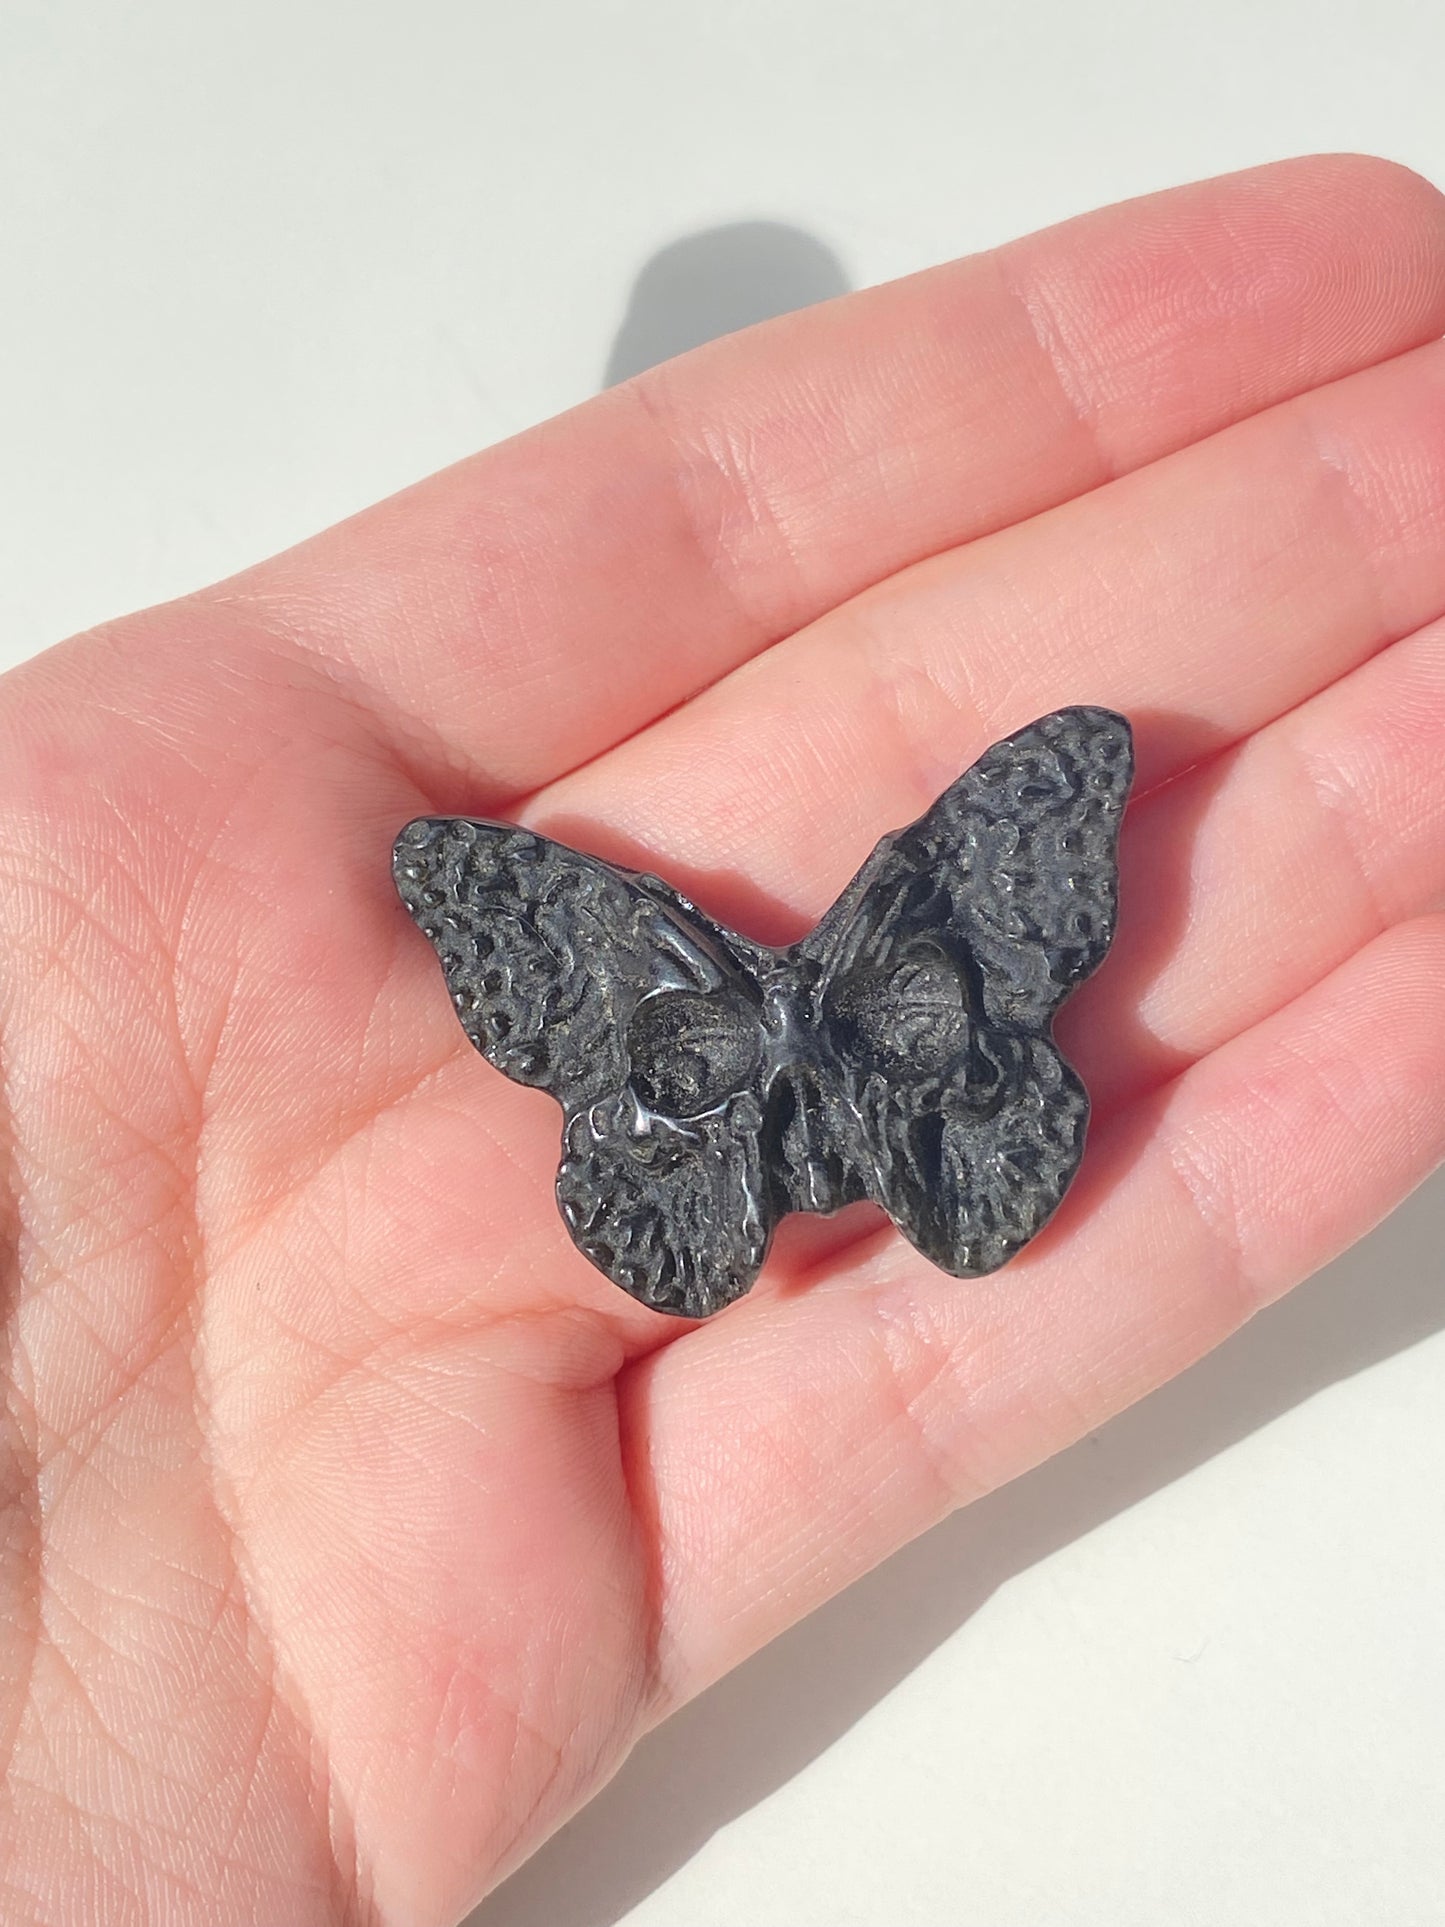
263	263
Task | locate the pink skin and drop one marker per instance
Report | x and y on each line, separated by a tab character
355	1527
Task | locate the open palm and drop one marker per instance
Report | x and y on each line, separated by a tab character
355	1527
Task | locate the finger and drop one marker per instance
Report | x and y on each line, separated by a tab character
522	611
1203	596
1328	826
787	1448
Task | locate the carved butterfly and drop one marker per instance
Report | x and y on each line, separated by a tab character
901	1052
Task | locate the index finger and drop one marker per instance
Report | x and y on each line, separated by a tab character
523	611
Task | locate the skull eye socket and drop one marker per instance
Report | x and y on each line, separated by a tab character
691	1051
915	1012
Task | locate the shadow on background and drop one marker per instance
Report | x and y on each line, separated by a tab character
713	283
766	1722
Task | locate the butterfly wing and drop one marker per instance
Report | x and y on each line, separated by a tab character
938	973
640	1016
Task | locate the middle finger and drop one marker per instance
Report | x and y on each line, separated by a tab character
1204	596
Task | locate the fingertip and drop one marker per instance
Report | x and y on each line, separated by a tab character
1371	179
1380	221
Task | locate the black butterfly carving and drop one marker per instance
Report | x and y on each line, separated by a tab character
901	1052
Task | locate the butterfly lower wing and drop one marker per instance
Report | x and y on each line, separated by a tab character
680	1218
940	969
969	1183
548	955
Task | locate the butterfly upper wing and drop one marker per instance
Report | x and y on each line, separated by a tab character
550	957
938	973
1024	844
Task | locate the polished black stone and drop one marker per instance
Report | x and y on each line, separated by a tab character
900	1052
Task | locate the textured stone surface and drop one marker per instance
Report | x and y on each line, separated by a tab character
901	1052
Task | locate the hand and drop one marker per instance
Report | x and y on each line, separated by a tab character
355	1527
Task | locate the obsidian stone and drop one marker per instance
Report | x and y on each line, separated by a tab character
901	1052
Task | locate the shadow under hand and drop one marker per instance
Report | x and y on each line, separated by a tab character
763	1724
718	281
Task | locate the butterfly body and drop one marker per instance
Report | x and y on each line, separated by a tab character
900	1052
